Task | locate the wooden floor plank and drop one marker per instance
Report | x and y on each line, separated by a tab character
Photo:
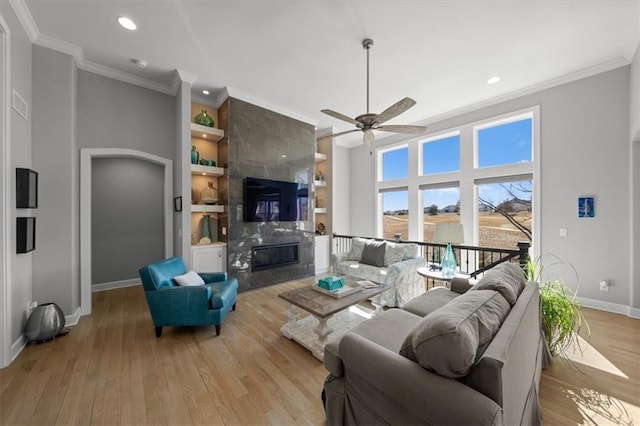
111	369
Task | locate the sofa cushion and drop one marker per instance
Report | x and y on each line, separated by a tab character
360	270
410	251
373	253
357	245
433	299
393	253
506	278
450	339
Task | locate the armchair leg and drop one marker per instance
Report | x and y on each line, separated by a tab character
158	331
217	329
234	307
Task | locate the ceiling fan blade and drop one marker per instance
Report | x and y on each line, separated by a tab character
403	129
394	110
341	117
344	133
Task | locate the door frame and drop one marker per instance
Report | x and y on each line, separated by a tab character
86	157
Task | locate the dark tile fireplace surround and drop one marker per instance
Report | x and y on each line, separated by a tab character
268	145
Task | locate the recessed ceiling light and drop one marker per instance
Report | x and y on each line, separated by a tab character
206	92
493	80
127	23
284	155
204	135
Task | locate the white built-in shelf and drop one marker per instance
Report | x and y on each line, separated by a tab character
204	132
319	210
207	208
213	244
197	169
320	183
320	157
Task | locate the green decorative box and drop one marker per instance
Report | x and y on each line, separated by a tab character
331	283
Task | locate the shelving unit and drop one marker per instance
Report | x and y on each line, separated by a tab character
322	213
209	257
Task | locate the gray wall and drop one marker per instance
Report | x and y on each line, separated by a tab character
126	232
584	151
114	114
20	282
55	274
635	195
341	193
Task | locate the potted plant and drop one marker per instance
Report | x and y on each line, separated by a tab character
561	313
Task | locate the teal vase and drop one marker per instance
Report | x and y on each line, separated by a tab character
206	227
448	263
195	155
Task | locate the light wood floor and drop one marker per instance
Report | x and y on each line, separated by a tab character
112	370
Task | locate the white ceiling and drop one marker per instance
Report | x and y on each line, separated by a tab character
299	57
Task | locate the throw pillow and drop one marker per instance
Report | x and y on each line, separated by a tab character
357	245
450	339
393	253
191	278
373	253
506	278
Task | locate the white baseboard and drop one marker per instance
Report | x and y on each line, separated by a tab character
17	347
615	308
115	284
71	320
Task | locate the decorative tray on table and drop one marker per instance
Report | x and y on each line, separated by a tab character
347	289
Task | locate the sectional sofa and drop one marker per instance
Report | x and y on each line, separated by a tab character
469	355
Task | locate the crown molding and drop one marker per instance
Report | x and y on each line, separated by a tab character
26	19
186	76
221	97
548	84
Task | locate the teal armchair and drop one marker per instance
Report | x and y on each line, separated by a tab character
173	305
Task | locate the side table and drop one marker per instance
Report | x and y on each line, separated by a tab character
436	275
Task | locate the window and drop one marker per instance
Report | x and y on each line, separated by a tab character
442	178
502	144
395	164
441	155
395	217
441	205
504	213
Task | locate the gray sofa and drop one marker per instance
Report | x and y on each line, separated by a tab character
384	262
447	357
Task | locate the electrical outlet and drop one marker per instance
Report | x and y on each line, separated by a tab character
604	285
563	232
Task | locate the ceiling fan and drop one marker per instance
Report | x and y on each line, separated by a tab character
369	122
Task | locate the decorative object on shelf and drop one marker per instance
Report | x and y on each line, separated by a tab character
204	119
320	176
319	203
320	229
209	195
204	241
177	204
205	162
448	262
397	237
206	229
45	322
195	155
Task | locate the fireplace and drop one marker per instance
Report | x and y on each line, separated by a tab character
267	256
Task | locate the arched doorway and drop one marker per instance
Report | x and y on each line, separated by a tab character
86	157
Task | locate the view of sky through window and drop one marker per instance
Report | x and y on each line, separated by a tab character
502	144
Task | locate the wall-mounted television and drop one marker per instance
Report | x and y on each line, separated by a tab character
267	200
25	234
26	189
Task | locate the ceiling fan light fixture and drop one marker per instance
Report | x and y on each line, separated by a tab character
368	137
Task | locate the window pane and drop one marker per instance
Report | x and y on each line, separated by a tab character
441	205
442	155
504	214
505	144
395	164
395	218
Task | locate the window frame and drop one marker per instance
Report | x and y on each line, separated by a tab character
466	178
